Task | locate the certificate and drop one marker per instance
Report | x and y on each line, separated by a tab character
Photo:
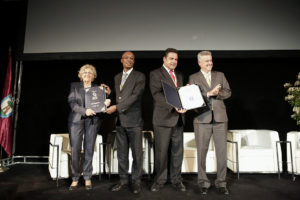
187	97
95	98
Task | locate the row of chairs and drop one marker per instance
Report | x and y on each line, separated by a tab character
248	151
60	155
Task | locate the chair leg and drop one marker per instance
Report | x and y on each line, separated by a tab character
292	161
99	161
278	142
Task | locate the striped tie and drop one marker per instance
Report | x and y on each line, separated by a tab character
207	77
124	77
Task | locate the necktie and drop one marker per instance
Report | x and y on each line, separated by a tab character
207	77
124	77
173	77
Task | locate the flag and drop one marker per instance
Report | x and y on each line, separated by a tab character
6	112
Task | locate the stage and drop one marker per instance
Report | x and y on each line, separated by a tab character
34	182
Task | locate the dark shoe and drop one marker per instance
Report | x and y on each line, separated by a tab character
118	187
136	188
203	190
73	186
223	190
156	187
179	187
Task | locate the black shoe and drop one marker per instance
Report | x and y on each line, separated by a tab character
223	190
203	190
73	187
118	187
179	187
136	188
156	187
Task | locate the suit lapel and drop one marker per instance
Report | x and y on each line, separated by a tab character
82	92
129	79
179	79
167	77
213	78
202	79
118	81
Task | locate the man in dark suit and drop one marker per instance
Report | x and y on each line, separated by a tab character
167	124
212	121
129	87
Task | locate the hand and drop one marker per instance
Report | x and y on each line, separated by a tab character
111	109
107	102
106	87
89	112
181	111
215	91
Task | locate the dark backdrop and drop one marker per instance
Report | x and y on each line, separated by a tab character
257	100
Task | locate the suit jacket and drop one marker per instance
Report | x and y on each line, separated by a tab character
76	100
163	113
215	102
129	99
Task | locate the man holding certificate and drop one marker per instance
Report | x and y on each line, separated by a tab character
212	121
167	123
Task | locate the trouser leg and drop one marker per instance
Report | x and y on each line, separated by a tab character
135	138
89	145
162	137
122	152
219	135
176	154
76	134
203	134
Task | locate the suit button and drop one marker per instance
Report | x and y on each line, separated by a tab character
120	97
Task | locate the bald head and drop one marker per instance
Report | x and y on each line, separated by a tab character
127	60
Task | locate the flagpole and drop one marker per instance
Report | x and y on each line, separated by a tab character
14	103
17	107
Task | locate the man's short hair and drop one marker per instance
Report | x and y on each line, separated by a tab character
203	53
170	50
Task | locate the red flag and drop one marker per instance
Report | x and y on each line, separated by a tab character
6	112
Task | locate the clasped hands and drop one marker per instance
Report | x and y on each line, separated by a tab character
215	91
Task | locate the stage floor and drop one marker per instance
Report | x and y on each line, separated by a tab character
34	182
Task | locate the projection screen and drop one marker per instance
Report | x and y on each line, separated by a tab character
55	26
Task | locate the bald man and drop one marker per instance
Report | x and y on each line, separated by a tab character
129	88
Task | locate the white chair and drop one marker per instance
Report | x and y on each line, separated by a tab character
148	155
60	145
190	164
294	138
256	151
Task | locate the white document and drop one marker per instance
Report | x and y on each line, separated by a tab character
191	97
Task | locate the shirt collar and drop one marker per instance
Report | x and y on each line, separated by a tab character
128	72
168	70
206	74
